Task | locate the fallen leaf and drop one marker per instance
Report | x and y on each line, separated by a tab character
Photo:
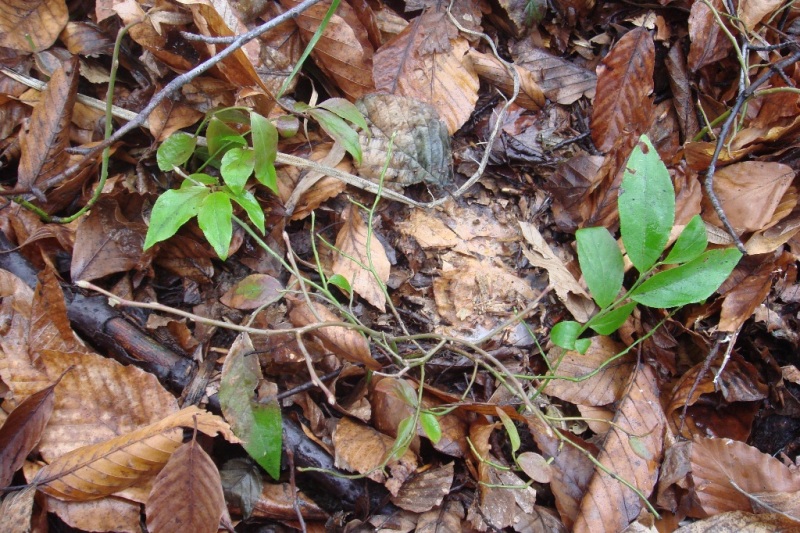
187	493
108	514
424	491
16	509
440	74
445	520
253	292
624	82
40	21
709	42
561	80
361	259
492	70
741	522
632	449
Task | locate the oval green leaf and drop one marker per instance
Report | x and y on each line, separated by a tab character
175	150
689	283
214	218
251	207
345	110
237	166
565	334
646	206
430	425
690	244
608	323
337	280
265	145
221	137
601	264
511	429
173	209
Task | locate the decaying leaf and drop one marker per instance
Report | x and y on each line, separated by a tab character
43	146
427	61
108	514
426	490
187	493
346	343
419	142
634	447
491	69
101	469
361	258
624	83
16	509
561	81
253	292
31	26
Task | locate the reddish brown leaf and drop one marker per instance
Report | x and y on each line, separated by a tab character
709	42
82	38
740	303
187	494
728	475
426	490
22	430
43	145
490	69
624	82
632	450
343	51
561	80
682	97
40	21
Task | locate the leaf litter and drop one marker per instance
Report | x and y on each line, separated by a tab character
406	345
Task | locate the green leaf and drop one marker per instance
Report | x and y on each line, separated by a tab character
581	345
405	433
173	209
175	150
646	206
237	115
214	218
346	110
690	244
221	137
689	283
565	334
601	264
608	323
406	392
430	425
237	166
251	207
511	429
257	425
340	281
287	125
201	177
339	130
265	145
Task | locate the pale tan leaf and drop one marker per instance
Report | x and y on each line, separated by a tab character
569	290
346	343
108	514
426	490
535	466
43	145
492	70
771	239
495	506
605	387
344	51
448	519
428	230
427	61
727	473
252	292
560	79
751	12
622	105
632	450
302	192
749	192
16	509
361	259
101	469
420	143
741	522
40	21
359	448
187	494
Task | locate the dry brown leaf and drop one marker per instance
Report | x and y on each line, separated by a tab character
40	21
16	509
169	117
427	61
145	34
741	301
102	469
603	388
107	243
741	522
304	191
43	146
86	39
728	475
682	97
109	514
277	501
561	80
622	105
346	343
569	291
496	505
535	467
448	519
428	230
709	42
751	12
22	430
359	448
492	70
361	259
749	192
426	490
632	449
187	493
344	51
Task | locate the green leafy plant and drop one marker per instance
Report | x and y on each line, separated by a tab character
240	145
688	274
